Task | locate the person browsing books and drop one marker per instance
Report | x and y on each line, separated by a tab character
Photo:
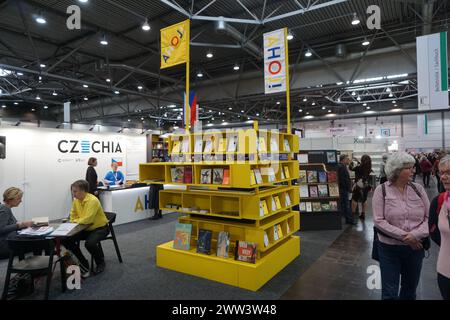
91	175
86	209
12	198
114	177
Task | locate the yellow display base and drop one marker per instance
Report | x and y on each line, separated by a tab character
229	271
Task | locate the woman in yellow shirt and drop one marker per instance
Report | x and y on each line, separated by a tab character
86	209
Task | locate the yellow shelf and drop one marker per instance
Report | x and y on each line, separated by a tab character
229	271
246	205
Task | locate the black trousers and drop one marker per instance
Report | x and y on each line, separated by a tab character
92	239
444	286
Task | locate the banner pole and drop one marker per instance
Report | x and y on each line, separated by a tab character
187	107
288	82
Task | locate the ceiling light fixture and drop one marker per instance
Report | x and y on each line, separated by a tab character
54	93
209	55
103	41
390	95
16	103
236	67
304	99
313	104
42	65
85	86
140	87
359	98
86	98
3	106
108	80
40	19
38	97
146	26
19	73
117	92
355	20
45	107
199	74
290	36
366	42
308	53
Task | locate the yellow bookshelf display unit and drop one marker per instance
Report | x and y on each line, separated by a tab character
235	206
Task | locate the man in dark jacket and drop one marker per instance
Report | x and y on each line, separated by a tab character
345	188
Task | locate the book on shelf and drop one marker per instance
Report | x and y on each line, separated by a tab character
204	241
304	192
252	178
271	174
287	147
333	206
326	206
274	205
245	251
322	176
274	144
283	176
288	229
280	231
286	172
266	239
276	236
229	213
302	206
232	144
308	207
222	145
258	176
287	199
302	158
331	157
302	176
332	176
263	210
218	176
333	190
185	145
182	239
187	174
206	175
198	146
313	191
323	190
277	202
261	145
312	176
177	174
223	243
226	177
316	207
208	146
176	146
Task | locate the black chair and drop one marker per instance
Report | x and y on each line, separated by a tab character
139	185
111	216
36	265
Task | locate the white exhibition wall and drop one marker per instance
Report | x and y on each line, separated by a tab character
44	162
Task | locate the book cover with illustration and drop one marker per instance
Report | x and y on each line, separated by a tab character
206	176
232	144
274	205
323	190
304	192
287	199
258	176
223	243
271	174
332	176
204	241
302	176
217	175
226	177
261	145
277	202
308	207
185	145
286	172
182	238
312	176
331	157
322	176
187	174
280	231
333	190
287	147
176	146
177	174
333	206
316	207
222	145
208	147
245	251
313	192
266	239
274	145
326	207
276	236
302	206
263	210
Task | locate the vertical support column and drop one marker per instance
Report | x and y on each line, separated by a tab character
188	62
288	90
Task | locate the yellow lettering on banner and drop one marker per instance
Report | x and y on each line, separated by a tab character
138	206
272	40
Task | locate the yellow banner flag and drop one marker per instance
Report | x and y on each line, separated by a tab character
175	44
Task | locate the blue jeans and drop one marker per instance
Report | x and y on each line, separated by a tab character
397	261
344	203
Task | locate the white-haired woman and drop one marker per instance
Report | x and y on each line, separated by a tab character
400	213
12	197
439	224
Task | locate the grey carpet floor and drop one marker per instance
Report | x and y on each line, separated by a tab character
139	278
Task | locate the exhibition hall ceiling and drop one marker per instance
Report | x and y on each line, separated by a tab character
112	63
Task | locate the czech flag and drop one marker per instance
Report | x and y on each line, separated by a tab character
192	111
118	161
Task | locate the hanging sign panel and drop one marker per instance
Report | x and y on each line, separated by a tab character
275	61
432	72
175	44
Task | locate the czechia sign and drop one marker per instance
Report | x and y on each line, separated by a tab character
85	146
